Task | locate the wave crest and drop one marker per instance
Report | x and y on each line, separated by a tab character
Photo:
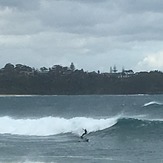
53	125
152	103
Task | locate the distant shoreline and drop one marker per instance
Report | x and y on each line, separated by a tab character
24	80
17	95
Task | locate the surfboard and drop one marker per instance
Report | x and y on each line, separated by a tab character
84	140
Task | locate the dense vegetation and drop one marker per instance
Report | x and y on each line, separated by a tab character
58	80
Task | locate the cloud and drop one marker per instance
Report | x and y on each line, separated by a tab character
98	19
110	18
91	33
140	6
20	4
152	61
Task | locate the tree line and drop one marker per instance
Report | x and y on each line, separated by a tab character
60	80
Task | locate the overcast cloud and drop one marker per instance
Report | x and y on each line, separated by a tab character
94	34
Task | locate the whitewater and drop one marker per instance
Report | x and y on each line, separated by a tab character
47	129
53	125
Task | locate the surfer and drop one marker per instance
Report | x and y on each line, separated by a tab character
85	132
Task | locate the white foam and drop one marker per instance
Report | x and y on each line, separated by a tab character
152	103
53	125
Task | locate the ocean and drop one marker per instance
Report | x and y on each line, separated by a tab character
47	129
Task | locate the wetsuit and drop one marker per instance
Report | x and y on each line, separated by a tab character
85	132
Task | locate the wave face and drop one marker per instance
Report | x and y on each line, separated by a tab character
138	128
139	123
53	125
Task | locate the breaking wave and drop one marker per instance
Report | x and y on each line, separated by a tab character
153	103
53	125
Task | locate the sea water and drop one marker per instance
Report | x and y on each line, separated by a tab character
47	129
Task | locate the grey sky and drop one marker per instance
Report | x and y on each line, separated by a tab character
94	34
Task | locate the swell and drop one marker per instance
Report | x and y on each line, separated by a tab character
136	127
138	122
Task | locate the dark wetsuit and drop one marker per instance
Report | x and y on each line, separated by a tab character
85	132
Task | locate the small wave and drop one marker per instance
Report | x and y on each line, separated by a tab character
152	103
53	125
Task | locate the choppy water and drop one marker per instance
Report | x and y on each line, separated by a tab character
47	129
